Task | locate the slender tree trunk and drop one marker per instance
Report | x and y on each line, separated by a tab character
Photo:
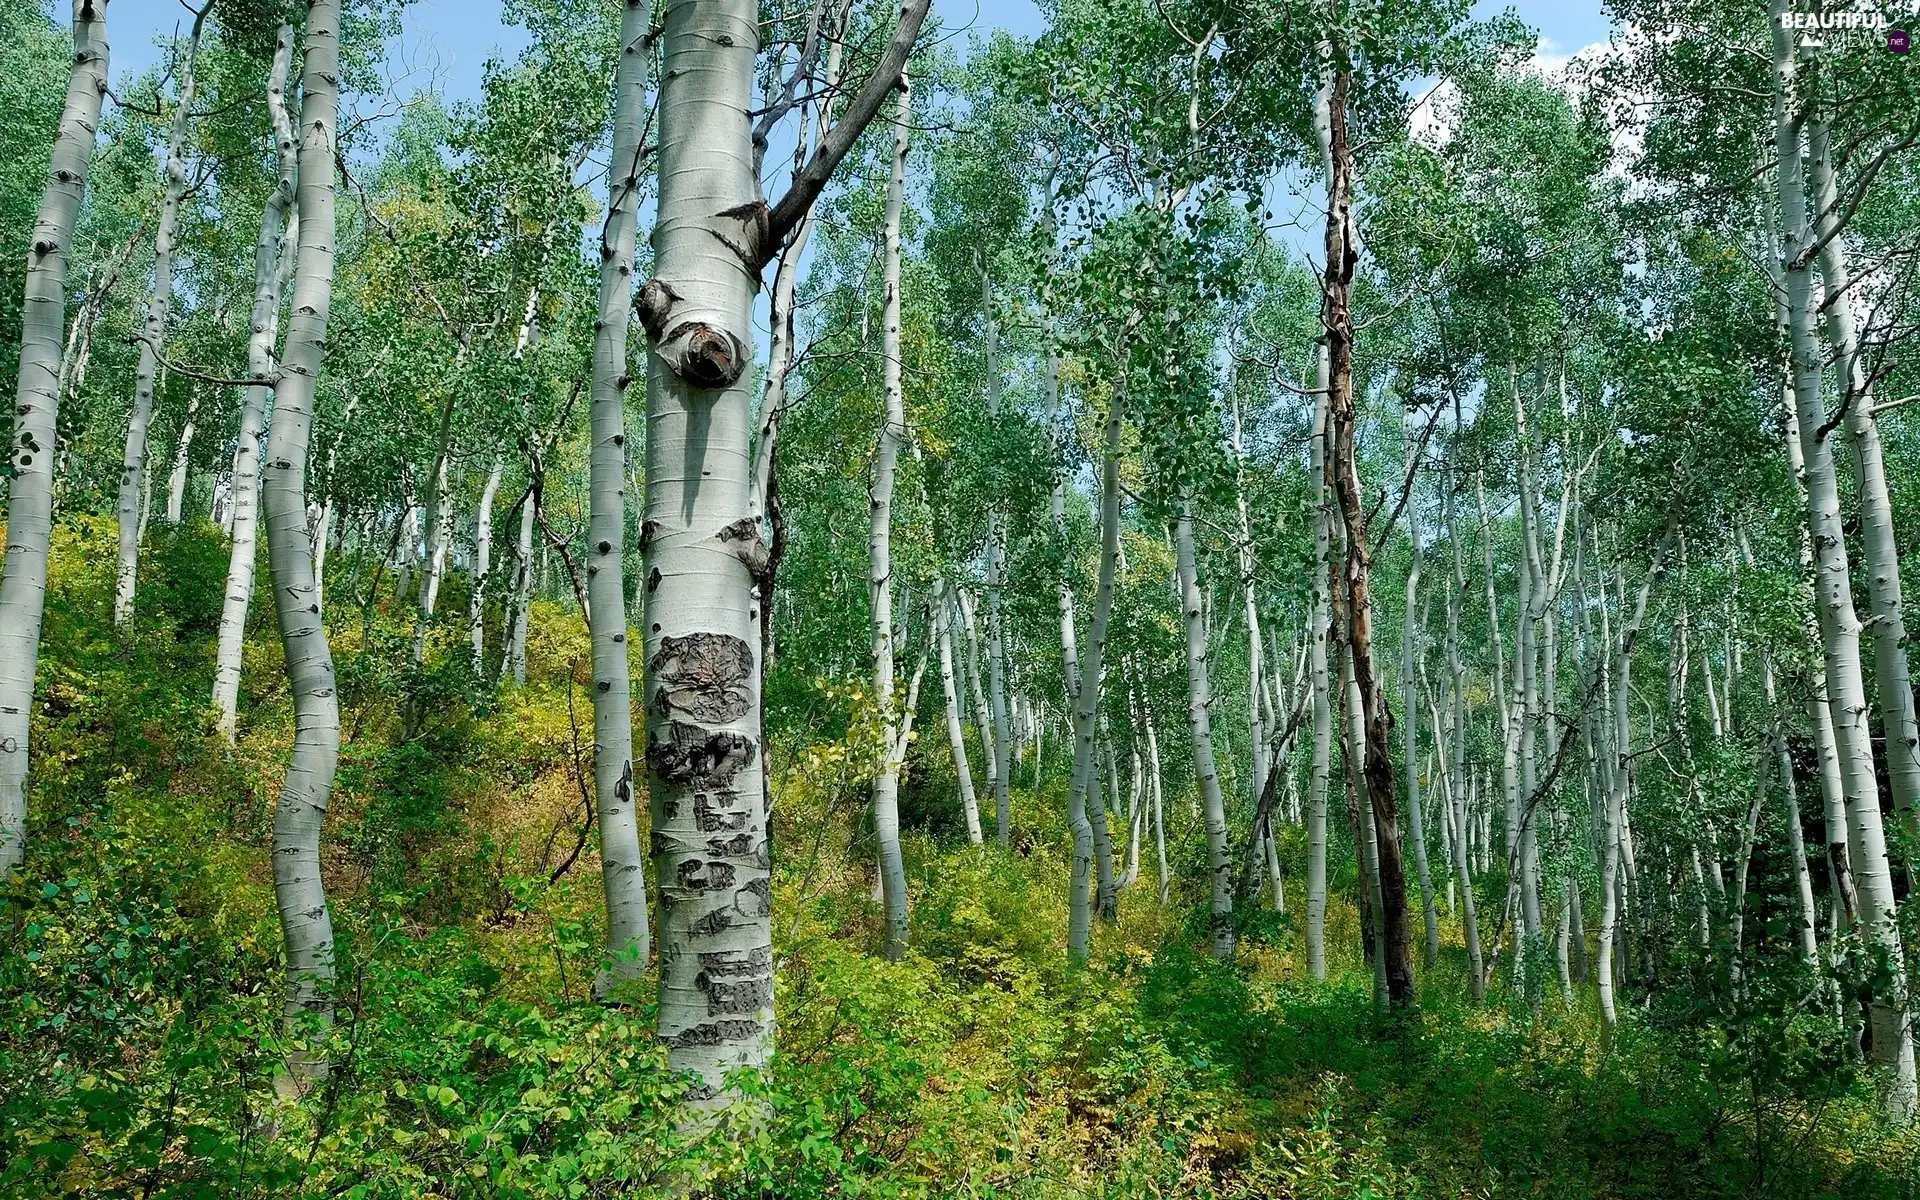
1615	838
1136	806
622	870
177	477
996	746
323	527
1199	698
1460	809
272	263
893	436
1256	649
1880	552
1318	679
1409	656
1082	792
439	533
513	657
1000	754
943	607
305	921
1839	626
153	332
482	572
1375	719
23	585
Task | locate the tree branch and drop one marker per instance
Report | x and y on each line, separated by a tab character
808	182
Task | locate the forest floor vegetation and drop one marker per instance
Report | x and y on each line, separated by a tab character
139	963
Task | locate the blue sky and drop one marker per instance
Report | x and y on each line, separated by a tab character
457	36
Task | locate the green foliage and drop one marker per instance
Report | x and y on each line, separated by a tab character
144	1053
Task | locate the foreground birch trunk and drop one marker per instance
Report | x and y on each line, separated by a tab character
279	226
1322	614
622	870
1879	547
893	435
153	332
305	921
1199	697
36	408
701	545
1840	627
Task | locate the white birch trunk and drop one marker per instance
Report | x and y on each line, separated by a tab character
153	332
622	870
956	734
700	543
305	921
1840	627
23	585
1409	655
482	572
988	719
323	525
439	533
1879	547
1082	790
1199	697
272	262
177	477
999	752
1320	680
513	660
1256	649
893	436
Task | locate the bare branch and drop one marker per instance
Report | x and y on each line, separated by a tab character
808	182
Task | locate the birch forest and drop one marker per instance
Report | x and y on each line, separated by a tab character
861	598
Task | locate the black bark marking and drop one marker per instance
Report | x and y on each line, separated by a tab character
699	876
736	982
734	847
707	358
713	813
653	304
755	898
691	756
703	675
712	923
712	1033
744	540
